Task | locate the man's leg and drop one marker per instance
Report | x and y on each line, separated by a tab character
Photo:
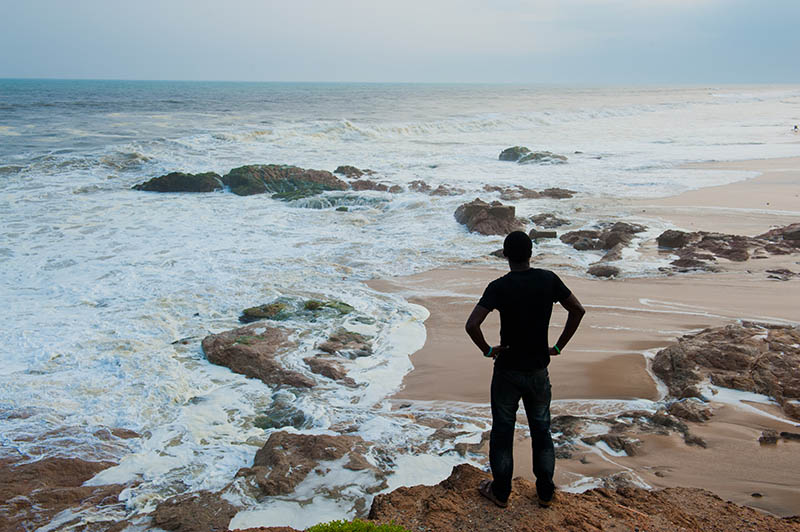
505	402
536	399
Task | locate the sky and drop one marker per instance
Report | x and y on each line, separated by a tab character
491	41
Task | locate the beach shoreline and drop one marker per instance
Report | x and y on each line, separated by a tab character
630	319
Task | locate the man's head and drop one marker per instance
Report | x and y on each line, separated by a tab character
517	247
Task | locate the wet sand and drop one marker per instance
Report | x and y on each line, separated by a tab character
628	318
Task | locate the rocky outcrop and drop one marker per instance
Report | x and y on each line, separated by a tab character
283	181
691	410
697	249
347	343
287	458
488	218
181	182
252	351
31	494
757	358
605	238
366	184
195	512
518	192
454	505
548	220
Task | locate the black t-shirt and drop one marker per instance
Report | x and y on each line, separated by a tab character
525	301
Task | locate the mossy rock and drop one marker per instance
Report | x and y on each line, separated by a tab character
284	181
543	157
182	182
276	420
514	153
272	311
357	525
342	209
244	184
339	306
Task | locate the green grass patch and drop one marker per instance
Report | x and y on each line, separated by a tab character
357	525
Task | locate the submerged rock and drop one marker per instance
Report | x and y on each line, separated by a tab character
513	193
283	181
347	343
251	351
276	310
548	220
330	368
543	157
287	459
488	218
181	182
515	153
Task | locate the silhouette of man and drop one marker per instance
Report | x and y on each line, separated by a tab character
524	297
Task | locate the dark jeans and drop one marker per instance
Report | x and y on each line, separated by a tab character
508	387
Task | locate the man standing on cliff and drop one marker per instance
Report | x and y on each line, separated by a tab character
524	297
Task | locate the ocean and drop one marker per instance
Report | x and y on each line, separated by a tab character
107	291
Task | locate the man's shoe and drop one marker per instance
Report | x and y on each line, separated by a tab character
546	503
485	489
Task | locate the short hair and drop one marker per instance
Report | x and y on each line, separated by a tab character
517	247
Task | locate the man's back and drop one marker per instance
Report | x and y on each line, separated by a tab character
525	302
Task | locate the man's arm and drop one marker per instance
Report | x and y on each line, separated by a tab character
575	315
473	328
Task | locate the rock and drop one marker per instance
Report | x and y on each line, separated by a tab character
347	343
444	190
202	511
791	436
542	157
768	437
514	153
789	235
272	311
366	184
557	193
691	410
329	368
757	358
419	186
672	238
181	182
513	193
251	351
488	218
616	442
534	234
33	493
548	220
619	233
781	274
613	254
287	458
692	439
454	505
285	182
348	171
603	270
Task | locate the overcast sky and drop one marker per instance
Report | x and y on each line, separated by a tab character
533	41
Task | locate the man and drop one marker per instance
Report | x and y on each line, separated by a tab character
524	297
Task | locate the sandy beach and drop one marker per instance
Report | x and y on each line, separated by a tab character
631	318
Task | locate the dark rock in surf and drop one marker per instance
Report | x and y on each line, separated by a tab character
514	153
535	234
542	157
252	351
347	343
548	220
488	218
348	171
283	181
329	368
181	182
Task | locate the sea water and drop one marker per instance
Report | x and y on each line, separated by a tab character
107	292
